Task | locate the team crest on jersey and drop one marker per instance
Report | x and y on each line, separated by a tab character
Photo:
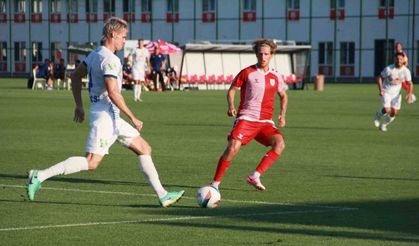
272	82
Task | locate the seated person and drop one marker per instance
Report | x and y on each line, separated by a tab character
127	78
171	79
59	70
46	71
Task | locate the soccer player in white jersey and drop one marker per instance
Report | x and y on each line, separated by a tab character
105	80
389	86
258	86
140	63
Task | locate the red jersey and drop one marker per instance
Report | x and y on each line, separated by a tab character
257	92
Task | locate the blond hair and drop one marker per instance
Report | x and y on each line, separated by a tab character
114	24
264	42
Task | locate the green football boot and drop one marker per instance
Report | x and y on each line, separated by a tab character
33	184
171	198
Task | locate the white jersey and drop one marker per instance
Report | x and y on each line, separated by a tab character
139	58
102	63
394	77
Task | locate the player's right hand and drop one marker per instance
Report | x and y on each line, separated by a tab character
232	112
79	115
138	124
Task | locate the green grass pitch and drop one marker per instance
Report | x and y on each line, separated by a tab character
340	181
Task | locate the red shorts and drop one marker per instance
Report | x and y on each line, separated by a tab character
245	131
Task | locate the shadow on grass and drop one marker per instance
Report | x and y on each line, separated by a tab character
67	179
389	218
372	178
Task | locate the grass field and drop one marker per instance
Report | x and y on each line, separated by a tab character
340	181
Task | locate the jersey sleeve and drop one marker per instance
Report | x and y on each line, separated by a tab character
385	73
281	83
111	67
240	79
407	74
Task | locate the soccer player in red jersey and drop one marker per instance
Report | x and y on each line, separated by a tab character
258	85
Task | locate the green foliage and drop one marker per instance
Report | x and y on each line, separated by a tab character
340	181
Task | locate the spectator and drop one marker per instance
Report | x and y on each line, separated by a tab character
171	79
158	64
127	78
59	70
46	71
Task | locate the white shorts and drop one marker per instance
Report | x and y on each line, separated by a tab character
104	131
391	100
138	74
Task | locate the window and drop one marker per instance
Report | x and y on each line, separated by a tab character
20	52
55	11
337	9
208	10
20	6
208	5
173	6
325	58
36	6
3	8
91	6
37	52
72	11
347	58
172	14
91	11
293	10
146	11
109	6
55	6
20	10
249	10
347	53
383	12
55	51
108	9
249	5
293	4
72	6
383	3
3	51
128	7
146	5
3	56
417	58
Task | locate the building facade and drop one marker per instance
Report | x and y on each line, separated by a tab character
351	40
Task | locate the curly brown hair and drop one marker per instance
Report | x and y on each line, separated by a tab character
264	42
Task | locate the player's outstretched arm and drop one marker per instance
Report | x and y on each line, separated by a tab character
76	85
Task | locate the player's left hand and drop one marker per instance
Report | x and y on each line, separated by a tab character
281	121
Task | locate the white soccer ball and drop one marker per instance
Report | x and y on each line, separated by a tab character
208	197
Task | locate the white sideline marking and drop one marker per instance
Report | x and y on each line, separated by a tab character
167	219
184	197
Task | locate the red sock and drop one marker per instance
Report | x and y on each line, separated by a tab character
221	169
267	161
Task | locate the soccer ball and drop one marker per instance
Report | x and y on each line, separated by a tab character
208	197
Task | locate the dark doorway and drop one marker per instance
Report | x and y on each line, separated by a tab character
384	50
